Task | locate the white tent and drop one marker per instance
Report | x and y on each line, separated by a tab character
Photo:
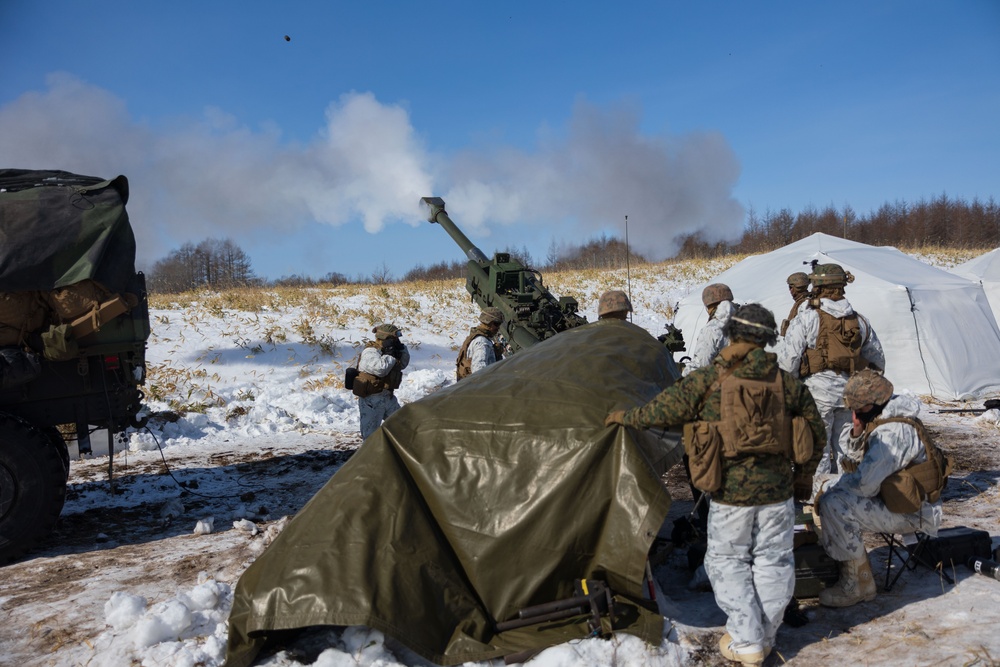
984	269
939	333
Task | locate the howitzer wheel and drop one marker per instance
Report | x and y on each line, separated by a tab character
32	486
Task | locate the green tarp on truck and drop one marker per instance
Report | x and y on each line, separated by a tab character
58	228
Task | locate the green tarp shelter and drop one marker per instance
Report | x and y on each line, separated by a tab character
486	497
58	228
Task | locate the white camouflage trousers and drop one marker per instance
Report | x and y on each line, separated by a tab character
751	567
374	409
834	416
844	515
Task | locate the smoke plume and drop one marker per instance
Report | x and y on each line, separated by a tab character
215	177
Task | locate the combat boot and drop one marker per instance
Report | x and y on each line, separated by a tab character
856	585
742	652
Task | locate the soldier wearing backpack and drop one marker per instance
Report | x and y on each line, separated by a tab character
896	487
480	348
826	341
748	430
380	373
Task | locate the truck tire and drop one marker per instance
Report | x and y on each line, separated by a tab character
32	486
56	438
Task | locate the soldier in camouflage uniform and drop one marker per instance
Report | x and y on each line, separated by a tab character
380	372
798	287
825	342
718	300
751	517
480	348
885	428
614	305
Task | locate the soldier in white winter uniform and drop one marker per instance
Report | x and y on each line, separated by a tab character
380	372
885	430
718	300
815	354
480	348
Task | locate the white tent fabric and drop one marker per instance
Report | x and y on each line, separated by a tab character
984	269
938	331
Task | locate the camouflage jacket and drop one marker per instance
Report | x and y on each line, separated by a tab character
746	480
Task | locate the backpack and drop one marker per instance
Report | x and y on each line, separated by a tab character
904	491
753	421
838	346
463	365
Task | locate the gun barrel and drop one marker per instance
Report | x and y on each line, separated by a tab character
436	213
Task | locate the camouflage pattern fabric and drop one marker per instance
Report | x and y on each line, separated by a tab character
711	338
746	480
482	352
375	409
751	566
827	386
851	504
613	301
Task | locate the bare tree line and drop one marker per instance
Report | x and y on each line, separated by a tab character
941	222
215	263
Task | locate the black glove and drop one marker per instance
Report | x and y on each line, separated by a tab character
393	347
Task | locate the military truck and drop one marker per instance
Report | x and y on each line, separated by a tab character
74	321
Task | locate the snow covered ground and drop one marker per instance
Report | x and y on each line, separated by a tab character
141	571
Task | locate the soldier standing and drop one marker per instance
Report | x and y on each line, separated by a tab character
826	342
798	287
380	372
614	305
480	348
743	398
895	445
718	300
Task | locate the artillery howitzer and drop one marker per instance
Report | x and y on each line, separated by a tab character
531	313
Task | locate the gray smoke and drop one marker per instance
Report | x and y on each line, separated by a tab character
214	177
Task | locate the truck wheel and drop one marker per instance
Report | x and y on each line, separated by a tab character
32	486
56	438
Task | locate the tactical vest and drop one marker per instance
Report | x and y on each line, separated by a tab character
366	384
904	491
753	421
463	365
838	346
791	314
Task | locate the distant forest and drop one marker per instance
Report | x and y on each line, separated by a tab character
941	222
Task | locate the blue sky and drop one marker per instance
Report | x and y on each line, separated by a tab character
539	123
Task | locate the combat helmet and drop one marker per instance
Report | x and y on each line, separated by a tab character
798	279
830	274
716	293
613	301
752	323
383	331
491	315
867	387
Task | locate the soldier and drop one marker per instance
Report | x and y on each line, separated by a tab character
614	305
480	348
894	444
380	372
718	300
798	287
826	341
743	398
